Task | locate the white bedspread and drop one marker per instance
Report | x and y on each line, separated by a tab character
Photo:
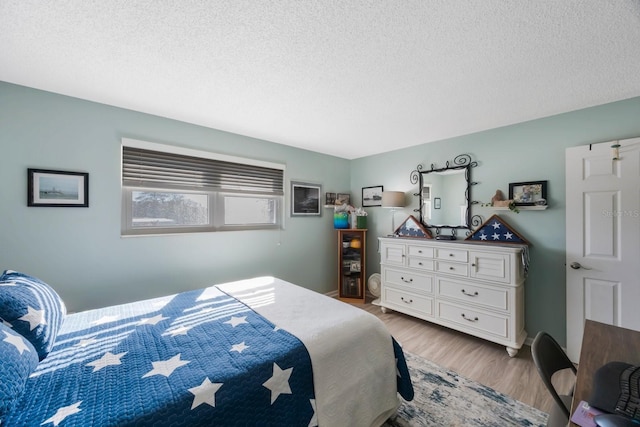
351	350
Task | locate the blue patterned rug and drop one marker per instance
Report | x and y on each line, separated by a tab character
444	398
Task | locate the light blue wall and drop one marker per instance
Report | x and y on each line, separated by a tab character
81	253
79	250
531	151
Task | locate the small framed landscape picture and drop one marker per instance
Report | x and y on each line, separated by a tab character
372	196
50	188
305	199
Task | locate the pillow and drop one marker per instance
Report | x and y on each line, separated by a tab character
18	359
32	309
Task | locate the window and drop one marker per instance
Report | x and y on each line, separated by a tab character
245	210
174	190
155	208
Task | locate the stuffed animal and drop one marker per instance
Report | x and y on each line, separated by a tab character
498	200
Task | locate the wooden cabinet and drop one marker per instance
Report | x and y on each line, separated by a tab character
473	288
351	265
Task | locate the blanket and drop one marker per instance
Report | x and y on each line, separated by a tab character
196	358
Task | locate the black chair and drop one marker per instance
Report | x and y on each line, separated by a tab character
549	359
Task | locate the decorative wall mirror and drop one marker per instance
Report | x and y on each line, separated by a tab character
445	196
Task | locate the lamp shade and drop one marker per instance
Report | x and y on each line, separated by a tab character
392	199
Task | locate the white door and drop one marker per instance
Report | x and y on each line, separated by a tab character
603	237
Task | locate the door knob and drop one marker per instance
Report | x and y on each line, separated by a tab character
577	266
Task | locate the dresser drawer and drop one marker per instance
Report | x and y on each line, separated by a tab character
478	320
421	263
423	283
391	253
407	301
488	296
452	255
490	266
420	251
455	268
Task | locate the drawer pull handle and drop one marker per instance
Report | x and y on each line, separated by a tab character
452	268
408	301
451	255
419	252
475	319
406	281
419	263
475	294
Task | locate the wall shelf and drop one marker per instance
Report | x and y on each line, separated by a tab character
521	208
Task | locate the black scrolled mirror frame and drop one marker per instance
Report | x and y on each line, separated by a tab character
462	161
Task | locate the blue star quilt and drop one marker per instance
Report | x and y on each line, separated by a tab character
196	358
213	356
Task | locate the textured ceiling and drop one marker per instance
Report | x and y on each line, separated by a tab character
348	78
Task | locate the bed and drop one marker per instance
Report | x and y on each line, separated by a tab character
260	351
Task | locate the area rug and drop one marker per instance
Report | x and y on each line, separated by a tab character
443	398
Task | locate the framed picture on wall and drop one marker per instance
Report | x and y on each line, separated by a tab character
329	199
51	188
343	198
305	199
372	196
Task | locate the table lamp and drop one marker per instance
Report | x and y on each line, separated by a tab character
393	200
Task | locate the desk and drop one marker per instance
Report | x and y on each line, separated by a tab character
602	343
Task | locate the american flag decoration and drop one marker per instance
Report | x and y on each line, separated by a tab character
496	230
411	227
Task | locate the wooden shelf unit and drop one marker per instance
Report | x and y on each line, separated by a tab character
351	265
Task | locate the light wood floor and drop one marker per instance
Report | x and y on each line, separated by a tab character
474	358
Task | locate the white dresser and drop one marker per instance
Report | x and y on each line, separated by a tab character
473	288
